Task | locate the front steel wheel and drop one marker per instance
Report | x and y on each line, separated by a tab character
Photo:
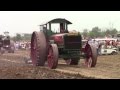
53	56
91	56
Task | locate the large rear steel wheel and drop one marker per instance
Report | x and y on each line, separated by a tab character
91	56
38	48
53	56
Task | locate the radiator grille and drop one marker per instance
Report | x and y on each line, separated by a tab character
6	42
72	42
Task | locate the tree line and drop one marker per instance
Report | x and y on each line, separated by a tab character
19	37
97	32
94	33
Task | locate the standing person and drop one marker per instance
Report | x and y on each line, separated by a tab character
90	41
96	45
100	47
16	46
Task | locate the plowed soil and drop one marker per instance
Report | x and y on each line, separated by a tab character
13	66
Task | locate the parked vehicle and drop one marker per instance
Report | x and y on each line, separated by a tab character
109	50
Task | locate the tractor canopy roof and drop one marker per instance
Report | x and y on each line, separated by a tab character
58	20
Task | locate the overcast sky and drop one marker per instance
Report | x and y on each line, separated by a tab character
28	21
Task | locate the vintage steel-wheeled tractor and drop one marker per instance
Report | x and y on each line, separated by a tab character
6	44
1	45
49	45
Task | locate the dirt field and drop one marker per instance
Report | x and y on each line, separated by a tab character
13	66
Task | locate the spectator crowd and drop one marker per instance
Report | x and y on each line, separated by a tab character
22	45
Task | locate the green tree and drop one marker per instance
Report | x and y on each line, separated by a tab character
96	32
103	34
118	31
91	34
18	37
114	31
111	32
27	37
